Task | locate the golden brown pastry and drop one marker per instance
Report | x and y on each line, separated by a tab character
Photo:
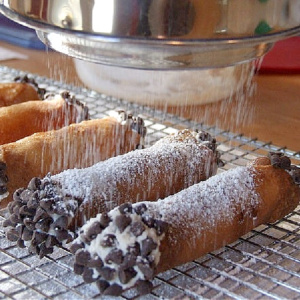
21	120
132	243
21	90
76	146
50	210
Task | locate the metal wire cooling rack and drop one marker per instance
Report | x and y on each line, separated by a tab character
264	264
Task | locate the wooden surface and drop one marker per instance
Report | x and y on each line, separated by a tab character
271	114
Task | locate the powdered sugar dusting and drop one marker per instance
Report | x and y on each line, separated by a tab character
104	179
211	200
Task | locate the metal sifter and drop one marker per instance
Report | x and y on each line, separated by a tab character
159	34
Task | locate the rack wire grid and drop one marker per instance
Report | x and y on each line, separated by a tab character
263	264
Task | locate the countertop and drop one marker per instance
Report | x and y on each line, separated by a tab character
271	114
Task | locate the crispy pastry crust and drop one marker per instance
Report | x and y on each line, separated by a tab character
55	207
76	146
20	120
17	92
132	243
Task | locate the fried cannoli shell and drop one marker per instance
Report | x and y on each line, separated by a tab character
17	92
58	205
141	240
21	90
76	146
21	120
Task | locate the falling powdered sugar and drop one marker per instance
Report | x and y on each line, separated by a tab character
113	179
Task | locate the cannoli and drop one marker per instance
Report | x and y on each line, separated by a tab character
132	243
50	210
21	90
76	146
21	120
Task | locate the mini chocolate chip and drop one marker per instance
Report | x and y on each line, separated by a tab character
104	220
137	228
148	221
114	256
129	261
19	229
95	263
27	234
75	247
146	269
87	275
8	223
25	211
113	290
125	208
38	237
135	249
107	273
46	204
82	257
51	241
34	249
160	226
12	205
33	203
125	275
29	223
144	287
122	221
44	250
78	269
44	224
16	210
17	195
15	219
60	223
147	246
3	190
26	195
62	235
12	235
3	180
93	231
140	209
20	243
39	214
285	163
102	285
108	240
34	183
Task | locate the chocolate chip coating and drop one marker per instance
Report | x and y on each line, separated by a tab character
125	275
93	231
114	256
78	269
147	246
144	287
125	208
102	285
107	273
122	221
82	257
12	235
87	275
113	290
137	228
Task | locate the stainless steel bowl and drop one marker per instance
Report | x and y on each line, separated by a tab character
159	34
